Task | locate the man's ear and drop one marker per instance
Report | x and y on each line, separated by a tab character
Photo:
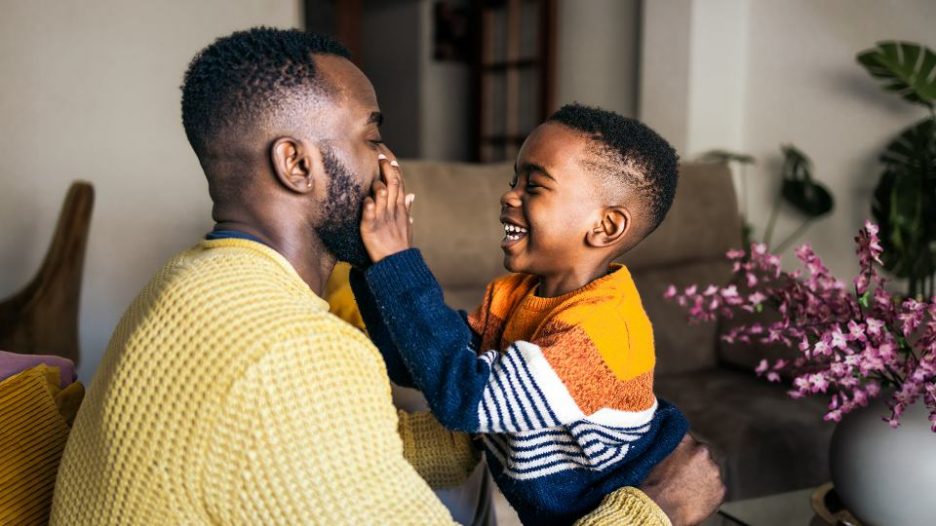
613	227
297	166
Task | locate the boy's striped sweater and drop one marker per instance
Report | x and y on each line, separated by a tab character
561	388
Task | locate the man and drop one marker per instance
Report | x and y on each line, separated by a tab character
228	393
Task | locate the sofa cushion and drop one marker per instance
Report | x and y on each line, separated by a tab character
703	222
457	218
766	441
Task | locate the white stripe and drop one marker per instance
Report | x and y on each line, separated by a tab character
514	378
616	418
488	357
502	424
561	466
544	439
531	387
557	396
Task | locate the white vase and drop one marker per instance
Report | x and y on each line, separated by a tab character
885	476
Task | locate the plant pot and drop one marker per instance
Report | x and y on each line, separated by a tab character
885	476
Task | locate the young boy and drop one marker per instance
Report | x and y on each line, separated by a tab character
555	368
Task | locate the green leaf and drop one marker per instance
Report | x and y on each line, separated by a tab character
798	187
904	202
905	68
863	300
725	156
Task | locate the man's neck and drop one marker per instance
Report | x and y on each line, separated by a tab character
304	251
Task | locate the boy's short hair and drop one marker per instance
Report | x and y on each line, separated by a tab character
628	152
245	76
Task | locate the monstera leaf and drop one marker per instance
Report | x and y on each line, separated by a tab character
905	68
798	187
904	203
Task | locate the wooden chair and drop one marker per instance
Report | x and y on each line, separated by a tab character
43	317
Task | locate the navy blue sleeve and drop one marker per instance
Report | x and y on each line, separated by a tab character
377	330
434	341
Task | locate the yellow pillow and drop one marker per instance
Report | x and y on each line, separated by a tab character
340	297
36	415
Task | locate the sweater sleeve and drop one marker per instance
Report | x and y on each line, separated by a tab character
626	506
442	458
311	436
377	330
513	391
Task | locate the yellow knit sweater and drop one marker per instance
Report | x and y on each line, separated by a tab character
229	395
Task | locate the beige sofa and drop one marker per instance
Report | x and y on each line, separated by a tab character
768	442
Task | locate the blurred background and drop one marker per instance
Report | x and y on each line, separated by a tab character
90	90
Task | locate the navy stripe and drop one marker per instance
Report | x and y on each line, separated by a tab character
512	374
487	412
536	387
605	435
586	422
526	382
568	460
497	408
514	423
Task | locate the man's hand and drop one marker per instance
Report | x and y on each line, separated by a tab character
687	485
386	223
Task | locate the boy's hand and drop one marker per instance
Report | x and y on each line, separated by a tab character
386	223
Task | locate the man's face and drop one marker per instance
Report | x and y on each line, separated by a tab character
551	204
340	230
349	156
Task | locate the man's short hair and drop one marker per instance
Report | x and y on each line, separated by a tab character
245	77
629	152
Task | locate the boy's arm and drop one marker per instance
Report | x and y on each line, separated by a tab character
492	392
377	330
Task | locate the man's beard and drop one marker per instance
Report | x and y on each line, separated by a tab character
340	231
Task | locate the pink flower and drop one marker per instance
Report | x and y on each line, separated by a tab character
762	367
838	339
850	342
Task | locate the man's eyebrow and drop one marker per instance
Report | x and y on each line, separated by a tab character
535	167
375	118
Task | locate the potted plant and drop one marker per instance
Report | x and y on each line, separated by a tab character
856	343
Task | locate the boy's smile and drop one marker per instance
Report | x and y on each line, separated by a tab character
550	207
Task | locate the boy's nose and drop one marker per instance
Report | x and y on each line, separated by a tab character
510	198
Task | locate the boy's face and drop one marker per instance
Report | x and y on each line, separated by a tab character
551	205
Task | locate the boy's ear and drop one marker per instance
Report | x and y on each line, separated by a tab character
613	227
297	165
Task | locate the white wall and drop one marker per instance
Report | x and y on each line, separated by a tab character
597	53
749	75
90	90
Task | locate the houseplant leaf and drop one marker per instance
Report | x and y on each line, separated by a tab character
725	156
905	68
798	187
904	203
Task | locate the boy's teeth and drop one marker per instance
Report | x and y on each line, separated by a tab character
508	228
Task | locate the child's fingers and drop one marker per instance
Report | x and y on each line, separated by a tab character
391	179
369	215
379	191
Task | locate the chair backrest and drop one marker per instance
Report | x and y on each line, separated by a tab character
42	318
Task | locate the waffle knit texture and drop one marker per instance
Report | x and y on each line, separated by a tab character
35	412
562	388
229	395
